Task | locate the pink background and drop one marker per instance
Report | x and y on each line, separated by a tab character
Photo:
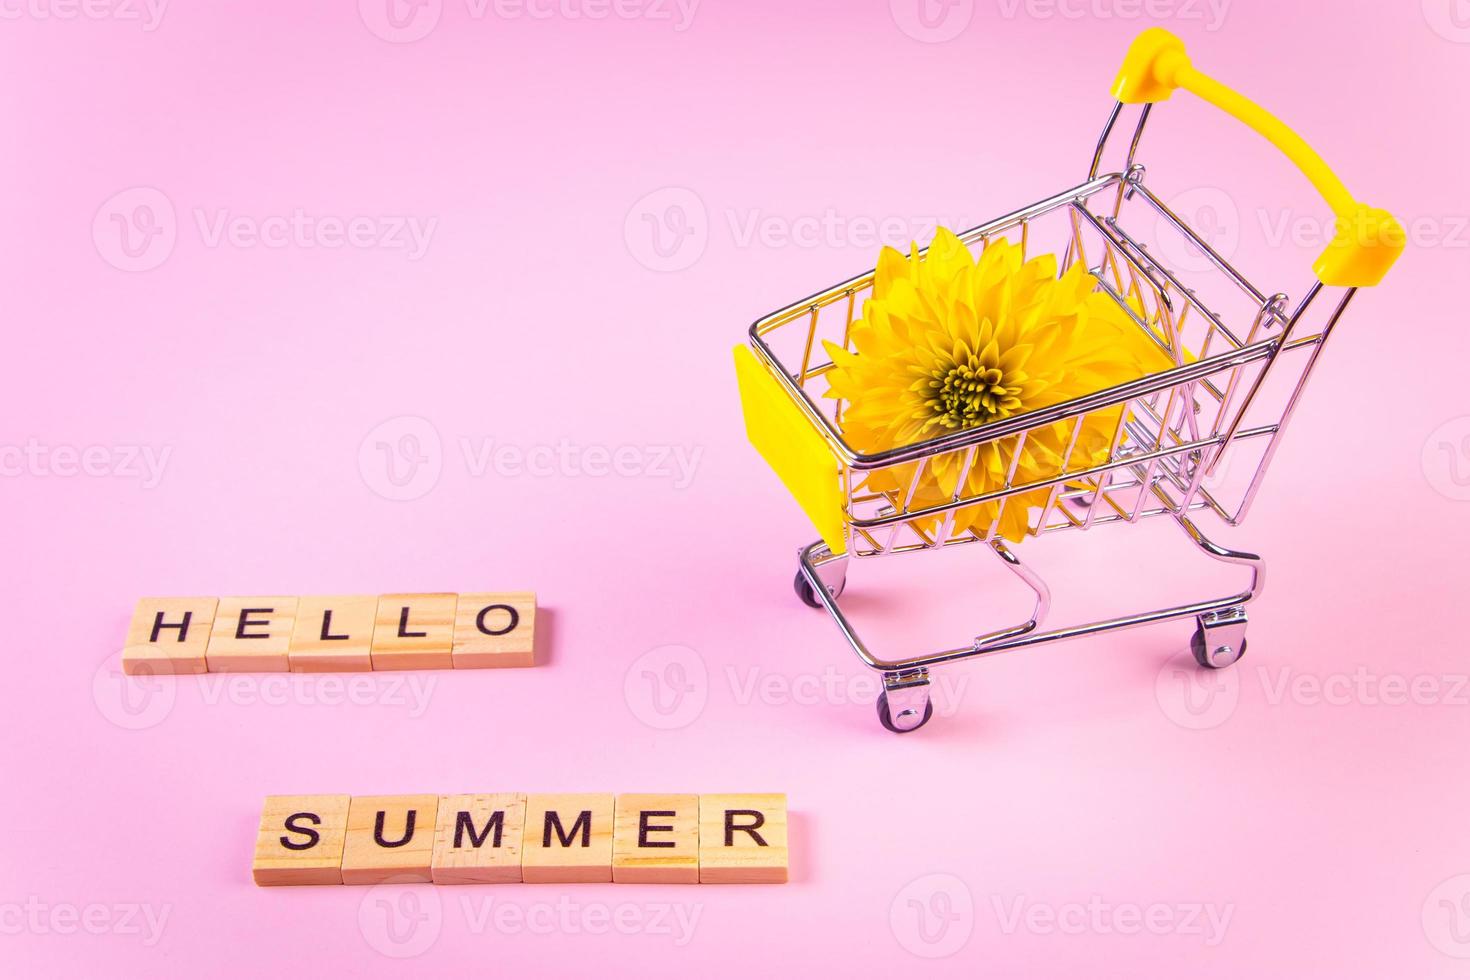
1086	782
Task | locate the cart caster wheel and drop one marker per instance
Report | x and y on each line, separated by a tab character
1221	655
886	718
805	594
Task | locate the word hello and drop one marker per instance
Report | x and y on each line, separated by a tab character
512	837
331	633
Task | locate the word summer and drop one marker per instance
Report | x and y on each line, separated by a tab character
512	837
332	633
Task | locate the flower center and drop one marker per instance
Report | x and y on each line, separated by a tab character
967	395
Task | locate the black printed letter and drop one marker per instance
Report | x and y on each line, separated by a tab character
327	628
291	825
644	828
583	823
182	626
403	624
246	622
515	620
758	821
407	830
465	823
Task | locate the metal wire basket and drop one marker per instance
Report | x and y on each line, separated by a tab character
1240	357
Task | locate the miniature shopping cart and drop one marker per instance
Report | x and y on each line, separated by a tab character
1239	359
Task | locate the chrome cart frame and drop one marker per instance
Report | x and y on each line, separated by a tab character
1241	357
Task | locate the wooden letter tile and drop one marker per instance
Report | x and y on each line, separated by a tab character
300	840
251	634
495	629
569	837
742	838
478	838
169	636
656	839
333	633
414	632
389	837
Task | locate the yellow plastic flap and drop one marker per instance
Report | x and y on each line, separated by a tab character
793	447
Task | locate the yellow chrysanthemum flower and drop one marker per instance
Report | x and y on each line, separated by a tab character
949	342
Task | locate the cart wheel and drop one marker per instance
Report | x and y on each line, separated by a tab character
1224	655
887	719
805	594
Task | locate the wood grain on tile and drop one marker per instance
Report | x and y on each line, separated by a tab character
414	631
569	837
389	838
656	838
300	840
169	636
333	633
478	838
251	633
742	838
495	629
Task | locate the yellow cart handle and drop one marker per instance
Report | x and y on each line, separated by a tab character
1368	240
